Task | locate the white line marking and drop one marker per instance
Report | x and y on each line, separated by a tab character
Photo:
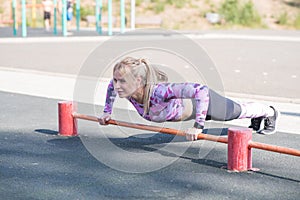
208	36
246	37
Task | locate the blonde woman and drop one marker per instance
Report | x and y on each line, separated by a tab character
156	100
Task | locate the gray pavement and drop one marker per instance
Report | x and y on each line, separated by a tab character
36	163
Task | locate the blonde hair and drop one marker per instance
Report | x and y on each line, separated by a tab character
140	68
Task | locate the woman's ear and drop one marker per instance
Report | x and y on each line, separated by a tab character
139	81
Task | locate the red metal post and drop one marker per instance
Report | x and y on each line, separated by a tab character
66	122
239	153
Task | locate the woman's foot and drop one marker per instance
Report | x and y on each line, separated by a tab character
255	123
270	123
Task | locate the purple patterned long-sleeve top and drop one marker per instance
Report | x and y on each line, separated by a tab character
166	101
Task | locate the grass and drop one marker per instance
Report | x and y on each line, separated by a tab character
236	13
85	11
158	6
283	18
297	22
177	3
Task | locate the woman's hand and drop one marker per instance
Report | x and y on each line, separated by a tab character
104	118
192	133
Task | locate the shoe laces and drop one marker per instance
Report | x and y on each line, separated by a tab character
269	122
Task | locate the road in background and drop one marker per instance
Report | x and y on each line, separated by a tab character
254	63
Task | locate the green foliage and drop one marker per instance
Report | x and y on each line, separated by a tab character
283	18
249	15
85	11
230	10
241	14
297	22
138	2
177	3
159	7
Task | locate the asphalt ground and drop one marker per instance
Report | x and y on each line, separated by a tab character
37	163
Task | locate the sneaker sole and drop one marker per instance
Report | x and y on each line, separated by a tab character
271	133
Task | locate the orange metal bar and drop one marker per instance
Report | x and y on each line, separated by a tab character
274	148
201	136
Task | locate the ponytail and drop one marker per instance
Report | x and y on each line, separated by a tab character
153	76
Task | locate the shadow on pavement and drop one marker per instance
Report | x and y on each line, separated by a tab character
46	131
276	176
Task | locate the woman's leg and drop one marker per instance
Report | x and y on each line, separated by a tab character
255	110
258	112
221	108
224	109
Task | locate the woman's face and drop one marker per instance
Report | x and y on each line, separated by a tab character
125	84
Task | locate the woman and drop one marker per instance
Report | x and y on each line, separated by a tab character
157	100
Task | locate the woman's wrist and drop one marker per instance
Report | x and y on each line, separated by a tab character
198	126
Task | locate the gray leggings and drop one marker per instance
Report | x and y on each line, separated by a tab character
220	108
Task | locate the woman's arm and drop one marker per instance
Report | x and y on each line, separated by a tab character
110	98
